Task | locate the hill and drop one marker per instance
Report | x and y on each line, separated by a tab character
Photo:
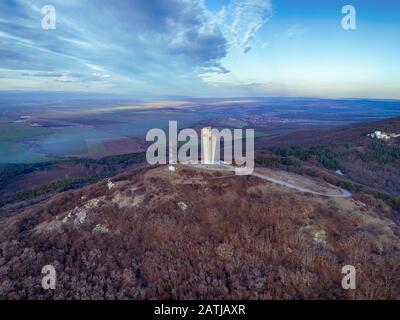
353	133
199	235
370	163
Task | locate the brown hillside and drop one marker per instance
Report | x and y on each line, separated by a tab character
194	234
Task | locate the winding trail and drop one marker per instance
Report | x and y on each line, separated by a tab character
343	193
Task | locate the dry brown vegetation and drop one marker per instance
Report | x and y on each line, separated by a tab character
188	235
367	163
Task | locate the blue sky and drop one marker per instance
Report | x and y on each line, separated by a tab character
208	48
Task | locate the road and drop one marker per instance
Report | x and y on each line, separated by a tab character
343	193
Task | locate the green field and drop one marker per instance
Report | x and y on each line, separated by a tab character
18	132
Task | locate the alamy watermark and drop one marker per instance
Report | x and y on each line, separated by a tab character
349	280
49	21
209	143
49	280
349	21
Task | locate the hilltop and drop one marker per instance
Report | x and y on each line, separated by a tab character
196	234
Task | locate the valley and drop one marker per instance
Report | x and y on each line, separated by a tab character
323	195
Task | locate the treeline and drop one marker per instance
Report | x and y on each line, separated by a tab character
125	160
57	186
9	171
104	167
380	151
323	155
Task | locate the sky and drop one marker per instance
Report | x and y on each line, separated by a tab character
202	48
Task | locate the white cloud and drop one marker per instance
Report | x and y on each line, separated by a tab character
296	30
248	17
95	67
15	38
154	43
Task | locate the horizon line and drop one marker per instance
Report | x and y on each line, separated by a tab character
131	96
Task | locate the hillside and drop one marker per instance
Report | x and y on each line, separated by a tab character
368	165
353	133
199	235
27	182
372	164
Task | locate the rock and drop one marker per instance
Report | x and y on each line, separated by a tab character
124	201
94	203
225	251
51	226
100	229
182	205
320	237
80	216
110	184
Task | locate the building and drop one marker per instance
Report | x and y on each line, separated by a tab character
383	135
209	145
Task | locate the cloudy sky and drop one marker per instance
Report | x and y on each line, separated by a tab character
202	48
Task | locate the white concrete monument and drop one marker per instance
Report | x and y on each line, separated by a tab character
209	145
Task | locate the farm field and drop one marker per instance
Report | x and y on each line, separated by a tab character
40	131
